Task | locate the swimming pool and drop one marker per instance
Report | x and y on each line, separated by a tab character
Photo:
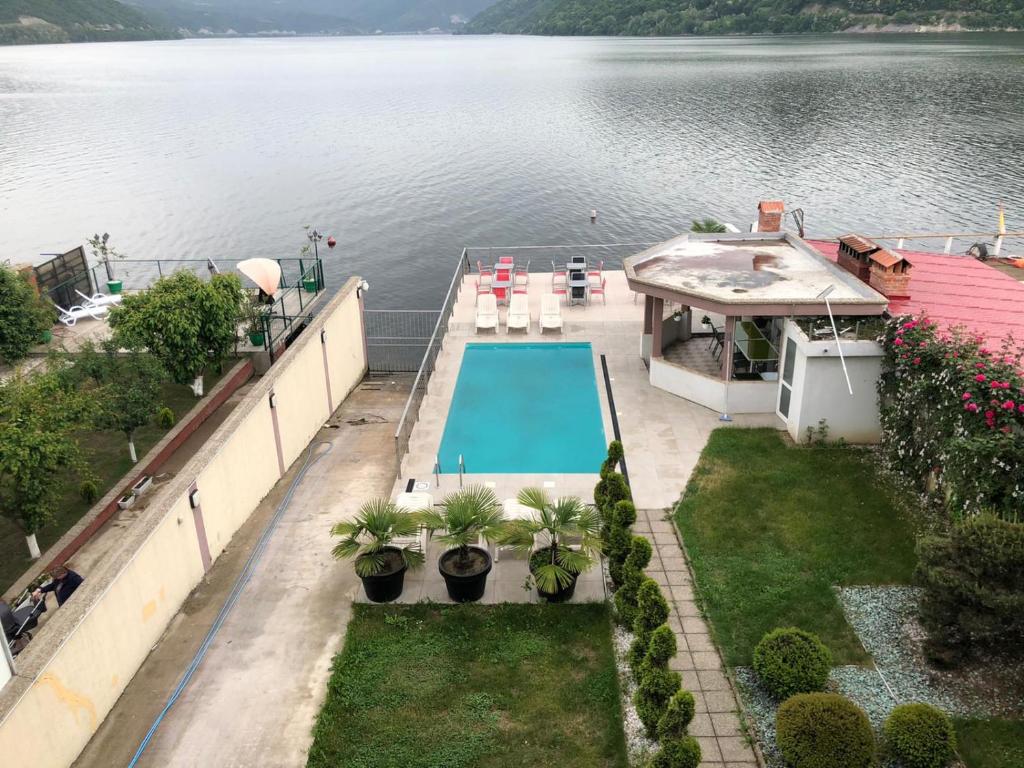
525	408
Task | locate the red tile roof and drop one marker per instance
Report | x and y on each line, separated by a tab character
958	291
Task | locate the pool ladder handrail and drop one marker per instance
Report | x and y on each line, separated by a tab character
462	469
437	472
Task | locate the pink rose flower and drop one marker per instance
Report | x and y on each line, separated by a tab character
972	407
980	377
917	361
1009	405
898	342
967	396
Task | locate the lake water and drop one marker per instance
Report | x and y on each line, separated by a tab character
408	148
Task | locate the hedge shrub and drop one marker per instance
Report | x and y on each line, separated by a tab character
660	649
678	716
656	689
920	736
790	661
677	753
23	316
88	491
165	418
973	583
652	612
640	552
824	730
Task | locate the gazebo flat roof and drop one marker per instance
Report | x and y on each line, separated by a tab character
771	273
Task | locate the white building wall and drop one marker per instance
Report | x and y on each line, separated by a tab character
820	391
714	393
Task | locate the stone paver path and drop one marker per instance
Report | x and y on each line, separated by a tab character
716	725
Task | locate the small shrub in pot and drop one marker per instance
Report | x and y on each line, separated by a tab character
368	539
824	730
790	661
920	736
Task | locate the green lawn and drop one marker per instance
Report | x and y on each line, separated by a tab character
991	743
771	528
427	686
107	455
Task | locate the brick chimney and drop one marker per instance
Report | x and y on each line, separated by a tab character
769	215
890	274
854	255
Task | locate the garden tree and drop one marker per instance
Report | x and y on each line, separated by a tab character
24	315
126	386
187	323
38	419
619	541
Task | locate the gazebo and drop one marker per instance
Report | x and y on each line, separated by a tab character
718	310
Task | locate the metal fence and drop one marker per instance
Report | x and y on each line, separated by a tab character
396	339
433	348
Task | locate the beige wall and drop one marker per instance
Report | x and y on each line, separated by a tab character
73	672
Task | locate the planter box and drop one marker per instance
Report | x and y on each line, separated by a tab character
126	501
114	286
143	485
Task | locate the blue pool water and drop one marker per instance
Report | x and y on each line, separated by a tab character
525	408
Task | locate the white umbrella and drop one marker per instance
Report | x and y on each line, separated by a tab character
266	273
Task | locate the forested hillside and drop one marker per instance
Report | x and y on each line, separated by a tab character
713	17
62	21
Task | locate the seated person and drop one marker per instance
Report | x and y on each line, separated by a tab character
65	582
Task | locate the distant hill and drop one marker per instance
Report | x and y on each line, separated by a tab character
311	16
64	21
716	17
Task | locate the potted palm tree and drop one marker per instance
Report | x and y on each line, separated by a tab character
465	517
555	566
377	538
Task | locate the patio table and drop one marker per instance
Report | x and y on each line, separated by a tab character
577	282
753	345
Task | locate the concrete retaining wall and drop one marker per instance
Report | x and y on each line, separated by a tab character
72	673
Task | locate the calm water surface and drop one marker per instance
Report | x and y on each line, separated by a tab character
408	148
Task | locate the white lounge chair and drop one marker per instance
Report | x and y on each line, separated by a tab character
550	312
71	316
414	502
100	299
487	312
518	313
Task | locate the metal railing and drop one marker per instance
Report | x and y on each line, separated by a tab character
397	339
411	413
138	274
290	310
996	240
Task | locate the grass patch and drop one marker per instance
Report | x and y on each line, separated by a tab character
107	456
991	743
428	686
770	529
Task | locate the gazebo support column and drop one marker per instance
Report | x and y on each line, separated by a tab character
657	321
730	334
646	340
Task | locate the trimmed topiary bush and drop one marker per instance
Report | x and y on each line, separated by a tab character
88	491
683	752
678	716
656	689
616	548
973	583
625	513
824	730
652	612
640	552
165	418
660	648
920	736
790	661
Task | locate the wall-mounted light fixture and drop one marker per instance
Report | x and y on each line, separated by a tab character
193	499
273	400
323	335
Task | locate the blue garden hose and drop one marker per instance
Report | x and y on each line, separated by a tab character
236	591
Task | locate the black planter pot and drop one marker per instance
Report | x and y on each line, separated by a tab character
466	588
561	594
385	587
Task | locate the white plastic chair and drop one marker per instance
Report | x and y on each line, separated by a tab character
518	313
487	312
71	316
100	299
550	312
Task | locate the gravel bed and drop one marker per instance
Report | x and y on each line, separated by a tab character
638	746
885	620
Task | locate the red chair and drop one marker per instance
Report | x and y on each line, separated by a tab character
599	289
524	273
561	290
596	272
557	274
485	272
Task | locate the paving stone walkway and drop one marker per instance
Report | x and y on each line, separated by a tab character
716	725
